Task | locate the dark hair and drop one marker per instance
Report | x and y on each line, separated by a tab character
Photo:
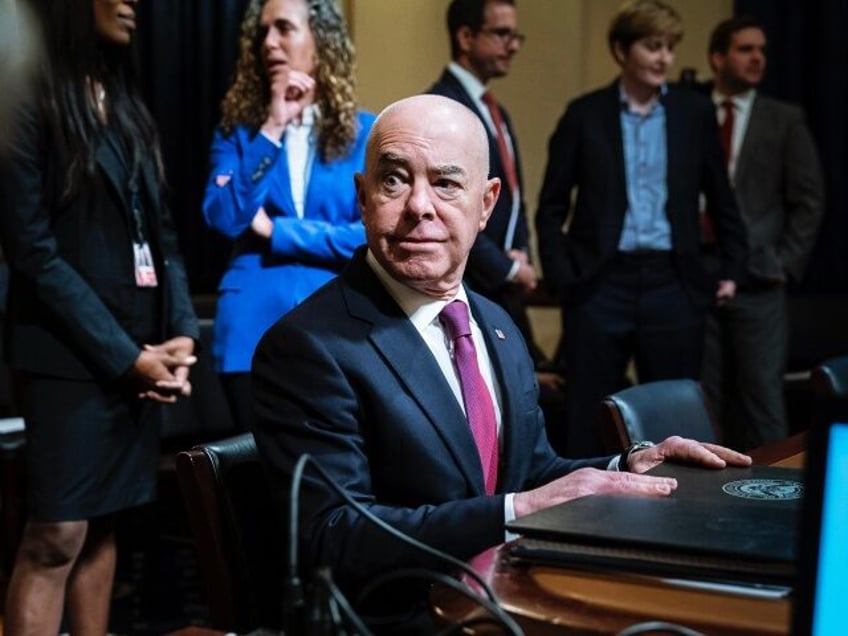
468	13
640	18
725	30
75	55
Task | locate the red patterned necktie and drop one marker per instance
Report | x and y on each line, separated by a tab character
727	130
503	147
479	409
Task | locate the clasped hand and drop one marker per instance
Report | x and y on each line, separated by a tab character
161	371
591	481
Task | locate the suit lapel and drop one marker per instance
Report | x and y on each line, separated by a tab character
611	117
757	126
403	349
675	140
110	163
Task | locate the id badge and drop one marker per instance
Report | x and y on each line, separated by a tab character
145	273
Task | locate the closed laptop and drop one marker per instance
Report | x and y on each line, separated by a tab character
737	524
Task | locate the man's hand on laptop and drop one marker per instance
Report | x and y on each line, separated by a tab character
591	481
688	451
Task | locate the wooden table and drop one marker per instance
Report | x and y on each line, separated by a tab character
557	600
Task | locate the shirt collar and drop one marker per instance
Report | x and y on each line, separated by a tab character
741	101
307	117
622	97
472	85
421	309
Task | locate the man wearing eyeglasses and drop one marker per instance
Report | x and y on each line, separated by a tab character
484	38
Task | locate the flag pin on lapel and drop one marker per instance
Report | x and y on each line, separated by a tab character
500	334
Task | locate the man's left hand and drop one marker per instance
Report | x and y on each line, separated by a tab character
725	292
682	450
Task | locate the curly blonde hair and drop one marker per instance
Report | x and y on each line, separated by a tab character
248	99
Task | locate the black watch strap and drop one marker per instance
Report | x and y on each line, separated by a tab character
627	452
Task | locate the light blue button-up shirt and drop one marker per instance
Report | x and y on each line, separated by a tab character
646	225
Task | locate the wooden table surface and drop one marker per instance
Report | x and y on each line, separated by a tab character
546	600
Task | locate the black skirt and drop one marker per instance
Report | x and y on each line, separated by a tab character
91	449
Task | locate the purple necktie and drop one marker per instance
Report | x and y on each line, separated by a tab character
479	409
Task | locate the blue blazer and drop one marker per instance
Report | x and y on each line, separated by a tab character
347	378
266	279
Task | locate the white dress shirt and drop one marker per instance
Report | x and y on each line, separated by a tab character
300	152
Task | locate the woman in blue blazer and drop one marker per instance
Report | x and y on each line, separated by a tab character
281	181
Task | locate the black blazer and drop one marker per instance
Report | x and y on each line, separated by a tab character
347	378
72	289
488	265
586	152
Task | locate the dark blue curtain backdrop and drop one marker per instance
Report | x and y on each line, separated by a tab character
808	65
188	50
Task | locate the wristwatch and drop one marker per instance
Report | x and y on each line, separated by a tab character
627	452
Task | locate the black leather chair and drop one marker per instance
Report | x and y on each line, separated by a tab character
830	378
238	533
829	389
653	411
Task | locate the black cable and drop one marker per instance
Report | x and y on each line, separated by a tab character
662	627
490	602
503	618
342	602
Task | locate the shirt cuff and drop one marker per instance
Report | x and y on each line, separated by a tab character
509	515
513	271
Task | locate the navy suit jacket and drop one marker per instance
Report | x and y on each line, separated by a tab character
488	265
72	290
586	152
347	378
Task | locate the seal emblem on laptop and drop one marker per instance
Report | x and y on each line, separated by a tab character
765	489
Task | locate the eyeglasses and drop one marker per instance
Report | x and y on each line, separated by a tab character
506	35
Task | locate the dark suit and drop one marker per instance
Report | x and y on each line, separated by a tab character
77	321
347	378
586	152
72	291
488	264
778	184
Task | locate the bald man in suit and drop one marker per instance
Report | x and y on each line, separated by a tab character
367	377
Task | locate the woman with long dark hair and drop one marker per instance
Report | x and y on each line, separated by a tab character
281	184
100	327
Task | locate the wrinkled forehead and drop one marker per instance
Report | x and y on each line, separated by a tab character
437	131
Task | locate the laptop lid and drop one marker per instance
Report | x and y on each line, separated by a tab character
820	591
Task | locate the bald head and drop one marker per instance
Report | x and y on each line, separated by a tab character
425	193
434	117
